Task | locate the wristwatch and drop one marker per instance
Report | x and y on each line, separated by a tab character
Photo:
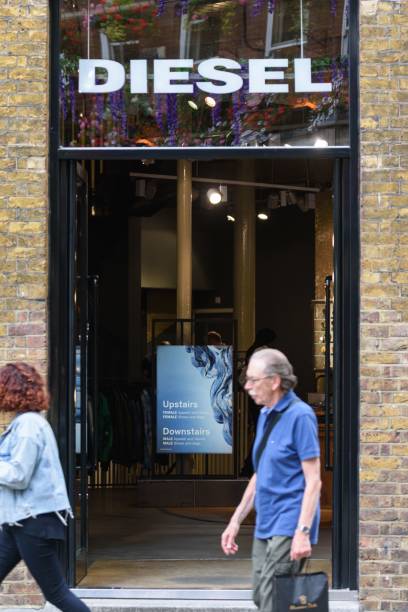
304	529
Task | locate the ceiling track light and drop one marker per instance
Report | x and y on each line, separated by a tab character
263	216
214	196
217	195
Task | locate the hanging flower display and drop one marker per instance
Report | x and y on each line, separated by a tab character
336	103
123	19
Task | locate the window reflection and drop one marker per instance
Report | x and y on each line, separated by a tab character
124	30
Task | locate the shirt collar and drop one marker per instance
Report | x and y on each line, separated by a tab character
282	404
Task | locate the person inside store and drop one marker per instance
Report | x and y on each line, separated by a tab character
34	505
214	338
264	338
147	362
285	488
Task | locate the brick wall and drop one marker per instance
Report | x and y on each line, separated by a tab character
384	305
23	206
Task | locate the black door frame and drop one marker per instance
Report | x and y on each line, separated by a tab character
347	310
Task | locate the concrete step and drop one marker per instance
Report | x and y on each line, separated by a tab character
166	605
128	605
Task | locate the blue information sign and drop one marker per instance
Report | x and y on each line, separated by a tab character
194	399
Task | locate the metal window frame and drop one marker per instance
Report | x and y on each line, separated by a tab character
61	171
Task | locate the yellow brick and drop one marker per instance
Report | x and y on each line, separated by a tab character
28	74
377	437
33	292
382	463
38	36
368	123
26	202
369	476
377	424
26	99
26	228
12	11
8	60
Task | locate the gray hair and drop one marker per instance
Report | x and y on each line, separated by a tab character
275	362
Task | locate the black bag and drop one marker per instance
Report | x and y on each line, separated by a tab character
292	592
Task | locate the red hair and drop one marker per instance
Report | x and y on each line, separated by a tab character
22	389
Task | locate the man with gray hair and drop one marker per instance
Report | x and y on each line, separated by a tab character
285	488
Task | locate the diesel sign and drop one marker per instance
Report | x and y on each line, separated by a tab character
222	76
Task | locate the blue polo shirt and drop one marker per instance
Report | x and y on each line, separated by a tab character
280	483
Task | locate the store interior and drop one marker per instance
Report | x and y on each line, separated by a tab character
154	519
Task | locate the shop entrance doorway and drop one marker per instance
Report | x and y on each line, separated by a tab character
262	259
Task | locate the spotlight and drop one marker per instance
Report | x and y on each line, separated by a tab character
224	193
192	104
145	189
263	216
231	218
310	201
210	101
214	196
273	200
291	197
218	194
321	143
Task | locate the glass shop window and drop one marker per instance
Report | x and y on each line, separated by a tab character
239	101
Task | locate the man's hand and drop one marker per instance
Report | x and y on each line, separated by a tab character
301	546
228	544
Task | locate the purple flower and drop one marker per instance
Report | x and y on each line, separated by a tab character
100	107
257	7
159	112
216	111
236	117
72	97
182	8
112	105
271	6
63	98
161	7
172	117
123	118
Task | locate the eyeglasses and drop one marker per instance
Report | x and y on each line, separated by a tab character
252	380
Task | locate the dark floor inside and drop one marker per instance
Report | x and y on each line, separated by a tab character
170	547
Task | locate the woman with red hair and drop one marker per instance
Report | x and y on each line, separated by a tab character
34	505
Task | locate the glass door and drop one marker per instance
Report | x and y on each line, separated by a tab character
81	331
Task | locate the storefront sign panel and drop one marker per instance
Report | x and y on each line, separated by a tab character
194	411
186	73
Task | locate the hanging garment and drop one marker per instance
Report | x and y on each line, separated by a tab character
105	430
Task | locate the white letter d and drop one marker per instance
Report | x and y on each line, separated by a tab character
87	76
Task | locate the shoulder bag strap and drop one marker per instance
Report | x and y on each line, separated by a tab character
271	424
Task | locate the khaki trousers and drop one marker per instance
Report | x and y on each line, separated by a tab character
270	557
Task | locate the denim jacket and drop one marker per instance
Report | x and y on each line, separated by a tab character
31	477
